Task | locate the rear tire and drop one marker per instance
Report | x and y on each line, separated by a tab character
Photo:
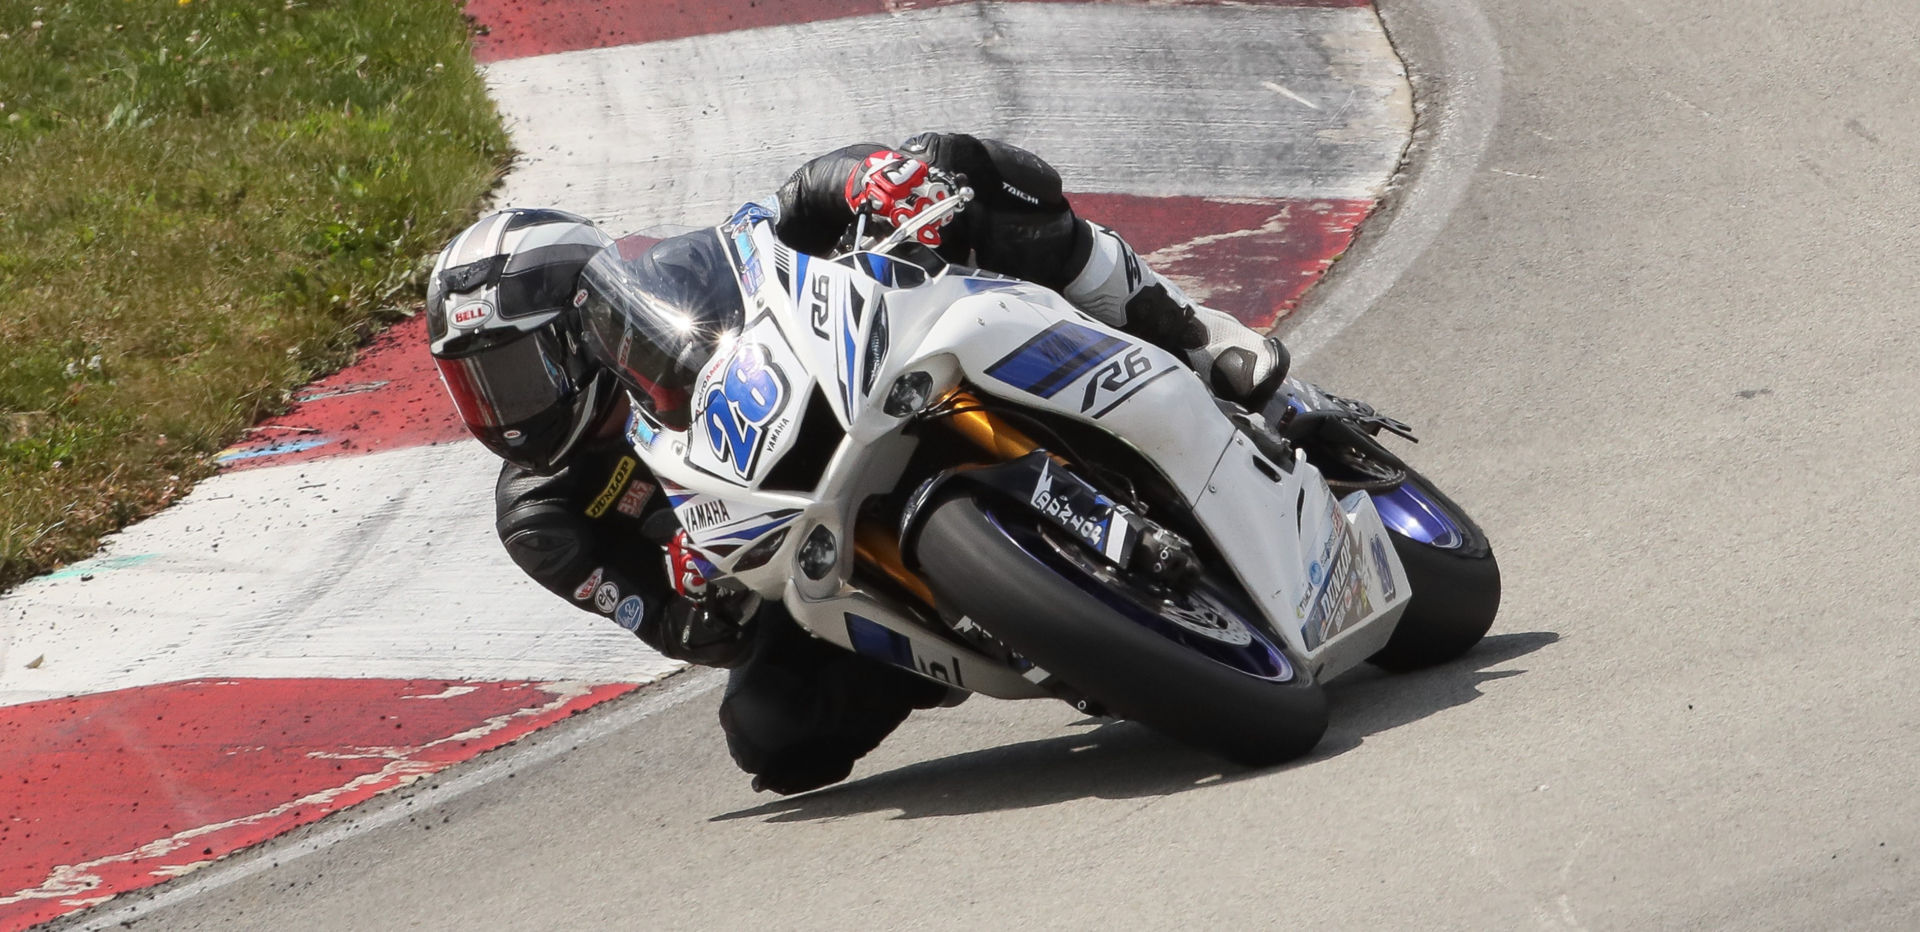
1106	640
1456	589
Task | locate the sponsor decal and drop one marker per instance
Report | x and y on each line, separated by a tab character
739	404
702	515
580	297
585	589
820	305
1057	503
640	432
1345	599
629	612
622	471
881	643
1379	549
1114	377
1016	192
635	498
752	272
471	314
607	597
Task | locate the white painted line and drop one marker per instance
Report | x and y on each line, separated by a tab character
1269	85
1461	119
387	809
383	565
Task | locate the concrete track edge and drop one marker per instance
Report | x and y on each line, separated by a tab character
1454	64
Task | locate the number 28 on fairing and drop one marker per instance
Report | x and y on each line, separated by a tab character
740	404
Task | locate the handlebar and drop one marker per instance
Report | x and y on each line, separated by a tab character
926	218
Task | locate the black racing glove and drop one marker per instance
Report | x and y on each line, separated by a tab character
713	632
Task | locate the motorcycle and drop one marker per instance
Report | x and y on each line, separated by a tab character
959	473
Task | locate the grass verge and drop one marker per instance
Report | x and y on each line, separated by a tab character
205	204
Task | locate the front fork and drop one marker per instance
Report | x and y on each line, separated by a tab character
878	545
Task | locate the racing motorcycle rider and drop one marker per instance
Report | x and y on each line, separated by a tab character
537	349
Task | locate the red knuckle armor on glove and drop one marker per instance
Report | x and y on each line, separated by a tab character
897	188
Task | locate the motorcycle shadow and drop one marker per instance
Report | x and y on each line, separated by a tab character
1369	701
1123	760
1111	759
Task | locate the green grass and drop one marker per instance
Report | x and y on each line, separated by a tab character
203	204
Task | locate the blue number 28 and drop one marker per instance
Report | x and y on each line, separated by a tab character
736	409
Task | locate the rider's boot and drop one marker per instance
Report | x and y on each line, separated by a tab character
1118	289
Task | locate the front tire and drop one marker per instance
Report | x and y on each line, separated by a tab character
1191	665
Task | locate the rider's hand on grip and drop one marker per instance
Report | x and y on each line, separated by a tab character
705	625
714	633
896	188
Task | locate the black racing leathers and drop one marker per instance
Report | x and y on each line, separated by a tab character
1018	224
578	532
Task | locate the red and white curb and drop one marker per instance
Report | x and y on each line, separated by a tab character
332	616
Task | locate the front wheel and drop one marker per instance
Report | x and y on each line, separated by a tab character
1191	664
1450	566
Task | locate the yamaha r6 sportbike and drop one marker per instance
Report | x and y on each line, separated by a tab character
959	473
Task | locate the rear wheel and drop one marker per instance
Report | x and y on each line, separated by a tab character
1194	664
1451	569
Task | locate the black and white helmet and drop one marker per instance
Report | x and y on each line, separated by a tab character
501	326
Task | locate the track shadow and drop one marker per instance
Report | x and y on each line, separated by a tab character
1123	760
1369	701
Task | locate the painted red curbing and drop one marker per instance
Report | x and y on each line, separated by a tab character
390	398
523	28
116	791
1253	259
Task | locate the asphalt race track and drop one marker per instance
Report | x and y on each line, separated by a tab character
1646	288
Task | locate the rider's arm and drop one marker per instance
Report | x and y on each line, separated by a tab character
1020	223
813	203
577	532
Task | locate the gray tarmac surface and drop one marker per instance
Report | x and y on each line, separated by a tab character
1663	345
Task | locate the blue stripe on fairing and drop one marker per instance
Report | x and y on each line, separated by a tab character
799	276
873	640
847	339
1053	360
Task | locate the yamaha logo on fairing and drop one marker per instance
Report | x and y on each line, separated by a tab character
702	515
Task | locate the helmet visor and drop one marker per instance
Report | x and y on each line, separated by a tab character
511	382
